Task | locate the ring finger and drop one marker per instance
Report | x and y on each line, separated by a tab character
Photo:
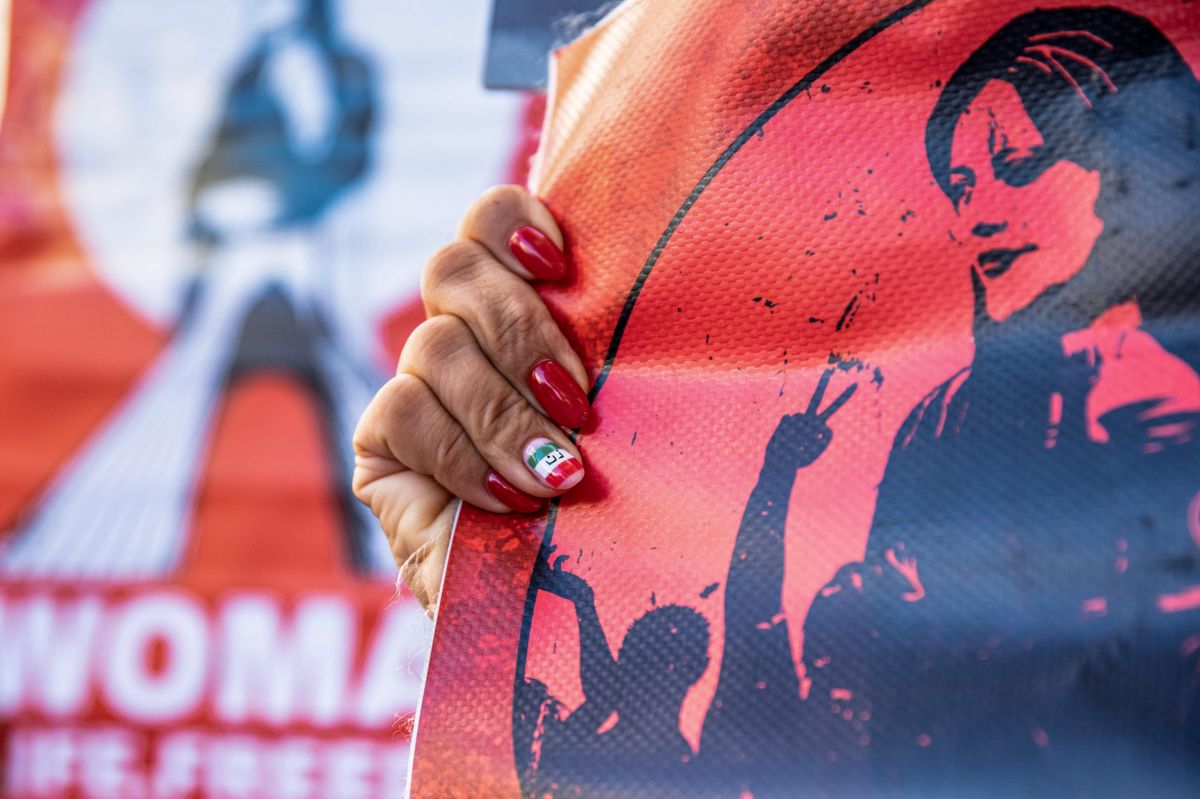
525	447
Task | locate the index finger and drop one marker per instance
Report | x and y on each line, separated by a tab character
819	392
842	399
519	231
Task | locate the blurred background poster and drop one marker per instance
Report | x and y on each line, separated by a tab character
213	218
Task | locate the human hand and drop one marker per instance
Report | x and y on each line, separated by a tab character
551	577
801	438
480	392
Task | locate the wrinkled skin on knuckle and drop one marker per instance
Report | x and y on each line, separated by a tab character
395	401
373	457
500	413
452	455
437	340
399	397
455	263
518	329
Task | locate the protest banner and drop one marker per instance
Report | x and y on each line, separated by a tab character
213	218
893	480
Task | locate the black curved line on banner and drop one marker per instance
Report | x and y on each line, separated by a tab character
804	84
760	121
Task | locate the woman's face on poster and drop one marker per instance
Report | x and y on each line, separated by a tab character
1028	219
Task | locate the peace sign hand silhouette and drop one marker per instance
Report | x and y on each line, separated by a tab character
551	577
801	438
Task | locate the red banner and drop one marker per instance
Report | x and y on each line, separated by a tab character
213	223
890	316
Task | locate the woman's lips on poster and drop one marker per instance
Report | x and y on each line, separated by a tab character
994	263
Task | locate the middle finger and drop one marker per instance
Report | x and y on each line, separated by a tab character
516	440
513	327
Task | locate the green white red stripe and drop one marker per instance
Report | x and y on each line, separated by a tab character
554	466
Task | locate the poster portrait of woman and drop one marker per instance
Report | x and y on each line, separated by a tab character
1024	611
1030	597
1034	513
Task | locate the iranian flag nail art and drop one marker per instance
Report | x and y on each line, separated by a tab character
554	466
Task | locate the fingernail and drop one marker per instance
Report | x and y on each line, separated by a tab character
538	253
553	465
558	393
509	494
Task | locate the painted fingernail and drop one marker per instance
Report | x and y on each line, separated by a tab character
558	393
553	465
509	494
538	253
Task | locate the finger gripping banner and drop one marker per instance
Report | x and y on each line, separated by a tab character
893	471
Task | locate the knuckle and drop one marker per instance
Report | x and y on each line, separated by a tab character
365	431
379	441
371	427
437	338
402	396
500	412
519	325
454	262
366	435
453	453
507	198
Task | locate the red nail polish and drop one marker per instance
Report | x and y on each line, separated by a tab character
509	494
559	394
538	253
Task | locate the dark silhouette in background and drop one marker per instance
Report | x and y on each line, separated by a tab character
1026	616
256	138
666	651
292	138
587	752
756	714
260	154
1021	617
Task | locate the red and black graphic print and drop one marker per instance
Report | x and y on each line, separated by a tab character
894	456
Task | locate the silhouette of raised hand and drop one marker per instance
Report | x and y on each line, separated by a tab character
550	577
801	438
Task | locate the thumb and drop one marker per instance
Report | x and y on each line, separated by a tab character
416	515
